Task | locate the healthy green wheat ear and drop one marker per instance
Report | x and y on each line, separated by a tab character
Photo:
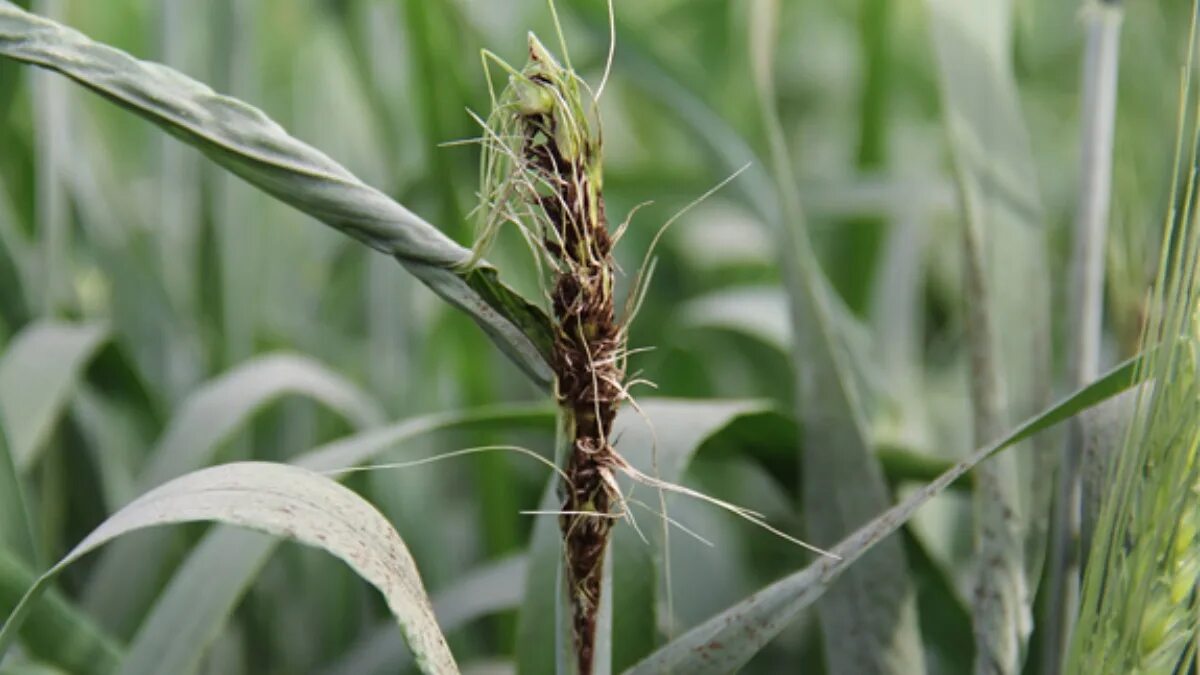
1139	611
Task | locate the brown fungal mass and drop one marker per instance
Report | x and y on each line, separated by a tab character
586	363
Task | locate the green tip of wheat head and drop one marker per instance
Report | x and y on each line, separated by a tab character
510	189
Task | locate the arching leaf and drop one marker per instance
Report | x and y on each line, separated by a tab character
37	374
242	139
285	501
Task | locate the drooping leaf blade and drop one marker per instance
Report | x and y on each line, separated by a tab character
203	593
214	411
728	640
494	587
37	374
285	501
868	621
56	631
120	586
16	529
242	139
1007	283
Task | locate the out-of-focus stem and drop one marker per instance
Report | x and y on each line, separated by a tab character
1000	595
1103	25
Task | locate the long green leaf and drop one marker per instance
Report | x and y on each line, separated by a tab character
728	640
37	374
1007	285
203	593
120	587
16	529
868	621
214	411
286	501
57	631
1087	288
245	141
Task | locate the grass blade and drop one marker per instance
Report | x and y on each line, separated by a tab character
53	111
123	579
38	372
285	501
869	621
203	593
214	411
243	140
16	529
1007	285
1087	305
56	631
728	640
494	587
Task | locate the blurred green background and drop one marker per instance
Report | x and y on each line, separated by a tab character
164	274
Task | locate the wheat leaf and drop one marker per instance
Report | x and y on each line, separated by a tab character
245	141
37	374
204	421
728	640
204	592
286	501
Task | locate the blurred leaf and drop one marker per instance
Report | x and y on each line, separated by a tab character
15	246
56	631
16	529
868	621
1104	429
762	313
38	372
945	622
211	414
290	502
125	577
757	311
30	669
205	590
728	640
113	442
246	142
1007	284
494	587
677	428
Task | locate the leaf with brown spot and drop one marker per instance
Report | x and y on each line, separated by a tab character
288	501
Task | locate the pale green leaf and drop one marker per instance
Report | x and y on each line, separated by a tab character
868	621
1007	284
16	529
120	586
56	631
291	502
728	640
494	587
38	372
203	593
245	141
211	414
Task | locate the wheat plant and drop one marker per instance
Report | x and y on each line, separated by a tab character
827	233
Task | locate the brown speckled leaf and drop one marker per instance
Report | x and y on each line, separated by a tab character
291	502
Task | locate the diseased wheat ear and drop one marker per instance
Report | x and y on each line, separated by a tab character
541	172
